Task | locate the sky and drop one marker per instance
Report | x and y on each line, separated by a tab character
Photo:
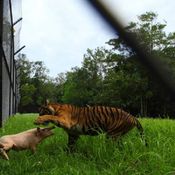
60	32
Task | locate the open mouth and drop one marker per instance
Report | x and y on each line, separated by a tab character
43	123
53	127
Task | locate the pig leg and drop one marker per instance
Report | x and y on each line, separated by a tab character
4	154
33	149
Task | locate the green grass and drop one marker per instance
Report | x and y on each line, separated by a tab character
94	155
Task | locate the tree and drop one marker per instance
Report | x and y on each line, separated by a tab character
59	86
111	77
27	90
84	85
35	85
76	88
150	33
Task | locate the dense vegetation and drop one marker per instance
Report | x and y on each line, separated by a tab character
110	77
94	155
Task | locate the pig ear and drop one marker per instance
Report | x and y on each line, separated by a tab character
1	145
38	129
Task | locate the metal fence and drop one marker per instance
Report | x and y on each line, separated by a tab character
155	65
10	24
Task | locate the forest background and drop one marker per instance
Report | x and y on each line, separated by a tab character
110	76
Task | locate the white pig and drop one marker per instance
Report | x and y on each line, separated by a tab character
24	140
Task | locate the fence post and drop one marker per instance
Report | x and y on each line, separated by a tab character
1	55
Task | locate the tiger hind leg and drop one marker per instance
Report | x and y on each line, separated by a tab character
117	139
141	131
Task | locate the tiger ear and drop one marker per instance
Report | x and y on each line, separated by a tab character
88	105
46	102
52	110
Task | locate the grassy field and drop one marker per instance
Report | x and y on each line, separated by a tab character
94	155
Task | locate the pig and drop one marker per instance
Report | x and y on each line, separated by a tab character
24	140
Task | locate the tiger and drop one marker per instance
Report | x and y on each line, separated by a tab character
88	120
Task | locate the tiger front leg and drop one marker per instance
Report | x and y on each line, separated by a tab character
72	139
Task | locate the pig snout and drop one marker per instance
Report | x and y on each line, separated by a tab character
45	132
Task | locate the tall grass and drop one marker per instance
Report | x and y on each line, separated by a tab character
94	155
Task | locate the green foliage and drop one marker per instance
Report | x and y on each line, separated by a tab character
76	86
84	84
27	91
94	154
111	77
36	86
115	77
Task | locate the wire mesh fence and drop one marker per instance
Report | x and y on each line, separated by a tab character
10	25
9	45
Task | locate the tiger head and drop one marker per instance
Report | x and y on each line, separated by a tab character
46	109
55	113
55	109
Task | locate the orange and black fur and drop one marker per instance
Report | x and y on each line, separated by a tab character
88	120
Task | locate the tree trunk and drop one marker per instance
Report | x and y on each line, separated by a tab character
143	106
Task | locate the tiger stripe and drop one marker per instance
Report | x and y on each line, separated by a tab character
88	120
